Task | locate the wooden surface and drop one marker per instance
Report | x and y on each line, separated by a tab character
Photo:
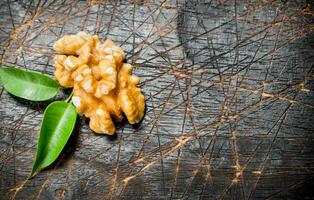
229	95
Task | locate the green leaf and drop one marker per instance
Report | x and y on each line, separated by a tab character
29	85
56	128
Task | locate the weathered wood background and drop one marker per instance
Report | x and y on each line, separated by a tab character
229	93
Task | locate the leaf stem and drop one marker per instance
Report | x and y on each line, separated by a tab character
69	98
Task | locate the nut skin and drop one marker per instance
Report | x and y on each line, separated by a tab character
130	98
69	44
89	106
103	86
62	74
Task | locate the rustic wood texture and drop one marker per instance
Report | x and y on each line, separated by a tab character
229	94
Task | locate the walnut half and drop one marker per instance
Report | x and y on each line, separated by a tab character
103	86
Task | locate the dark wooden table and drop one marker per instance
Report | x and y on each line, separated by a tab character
229	94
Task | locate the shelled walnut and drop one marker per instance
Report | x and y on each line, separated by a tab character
103	86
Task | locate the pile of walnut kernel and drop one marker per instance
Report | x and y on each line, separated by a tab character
103	86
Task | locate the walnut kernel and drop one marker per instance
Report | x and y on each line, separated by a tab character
103	86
